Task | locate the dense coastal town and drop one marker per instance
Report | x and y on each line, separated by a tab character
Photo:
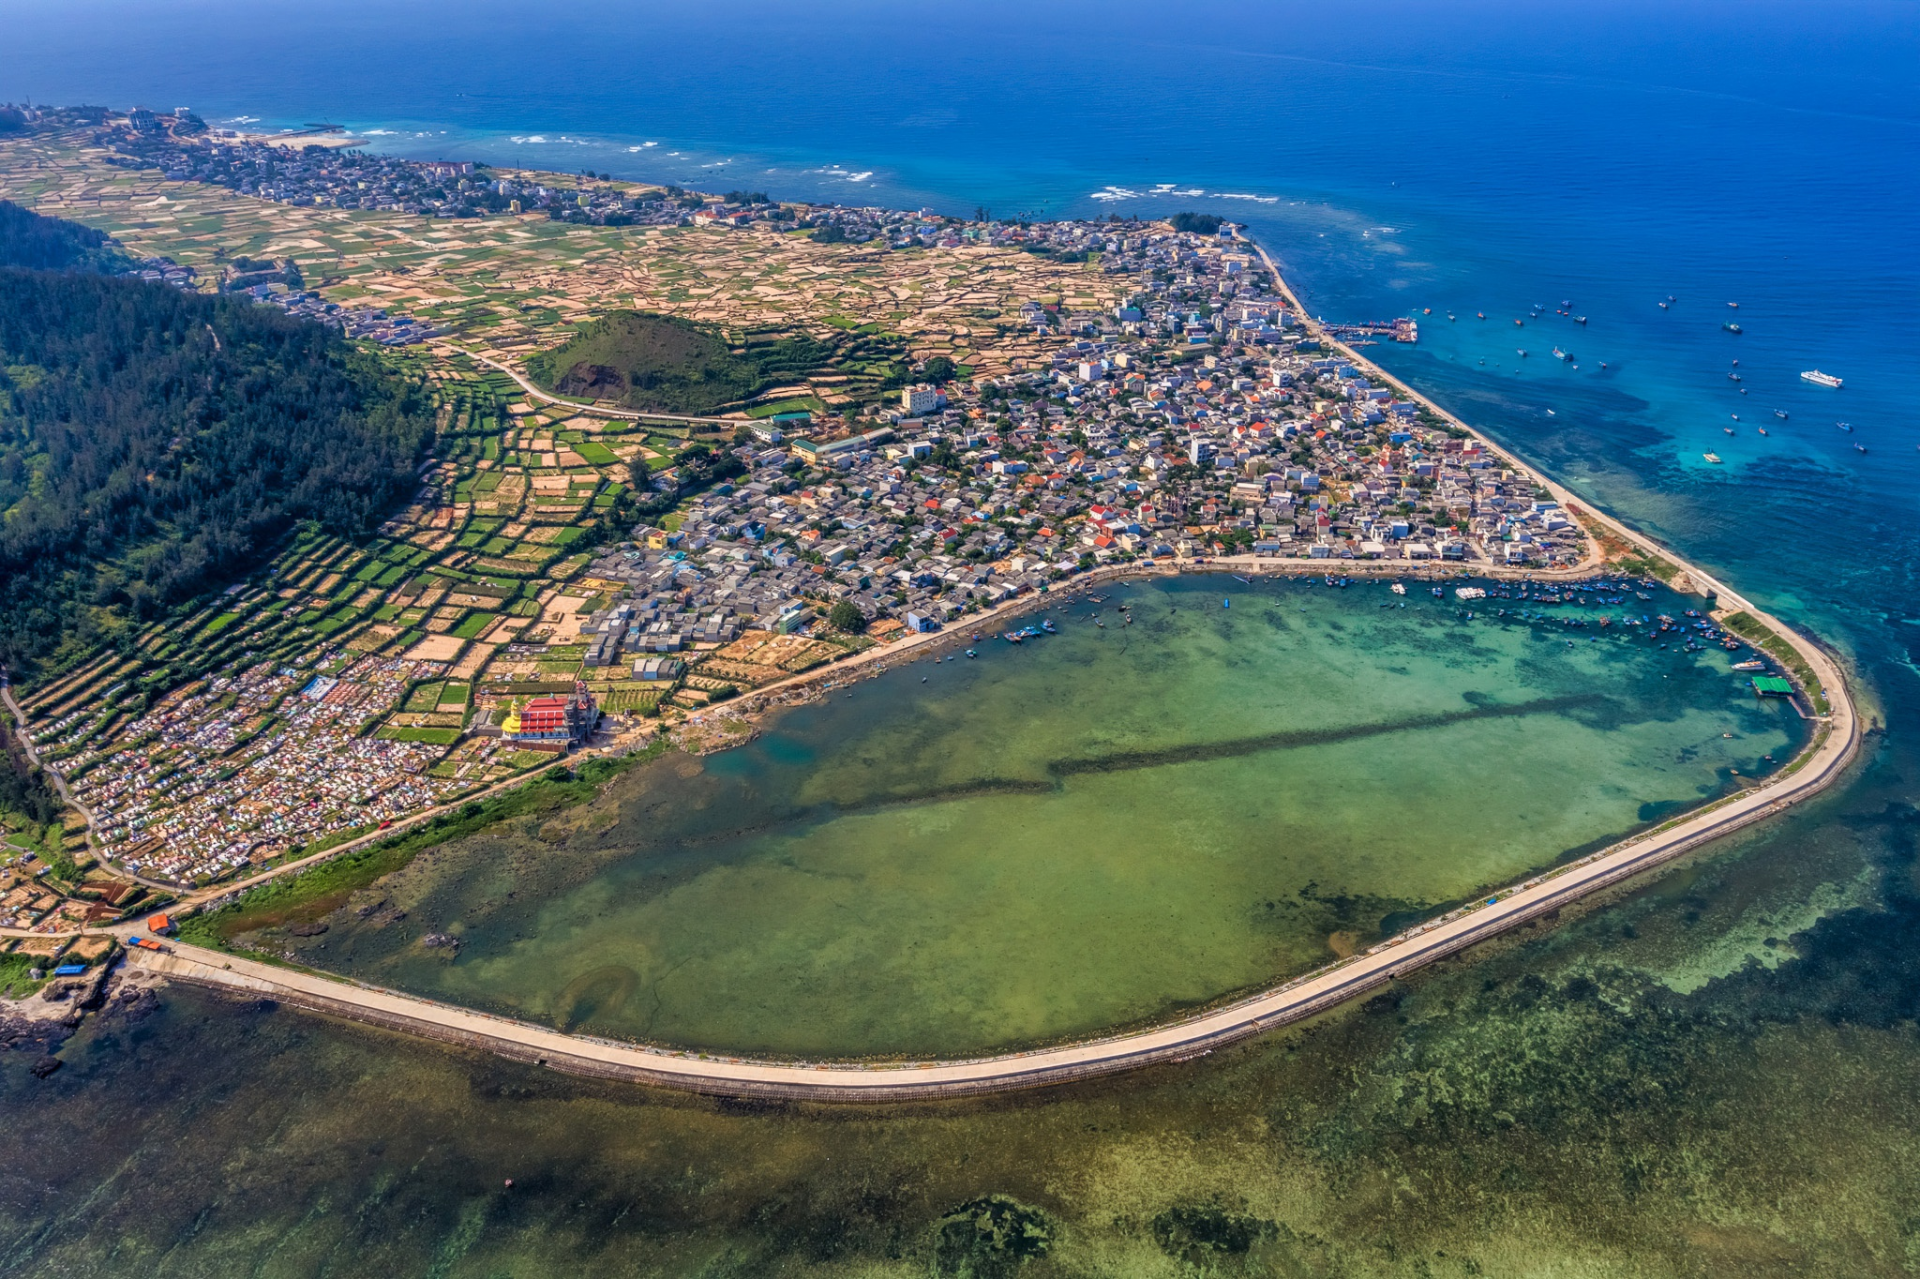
572	573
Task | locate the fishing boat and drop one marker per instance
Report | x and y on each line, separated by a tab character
1048	626
971	653
1818	378
1579	319
1236	577
1519	324
1781	414
1470	593
1731	327
1481	314
1712	457
1558	354
1859	448
1522	352
1845	426
1727	429
1398	588
1733	377
1761	429
1663	306
1439	592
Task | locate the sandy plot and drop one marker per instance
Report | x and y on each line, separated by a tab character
436	648
562	614
477	657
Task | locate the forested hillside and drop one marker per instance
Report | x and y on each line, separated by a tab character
53	244
153	443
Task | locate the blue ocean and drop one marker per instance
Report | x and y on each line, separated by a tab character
1750	163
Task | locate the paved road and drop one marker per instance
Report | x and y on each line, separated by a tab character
1179	1041
628	414
1593	558
1835	746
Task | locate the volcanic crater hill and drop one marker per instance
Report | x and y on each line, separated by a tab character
666	364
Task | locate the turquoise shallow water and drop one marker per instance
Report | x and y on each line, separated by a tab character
1095	828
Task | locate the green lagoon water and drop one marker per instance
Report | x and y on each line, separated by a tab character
1093	829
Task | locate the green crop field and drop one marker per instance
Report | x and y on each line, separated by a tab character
431	736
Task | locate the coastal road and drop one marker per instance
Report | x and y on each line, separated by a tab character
1837	742
1594	556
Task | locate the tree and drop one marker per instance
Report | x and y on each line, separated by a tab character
940	370
1198	223
844	617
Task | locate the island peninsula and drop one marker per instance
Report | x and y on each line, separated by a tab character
929	423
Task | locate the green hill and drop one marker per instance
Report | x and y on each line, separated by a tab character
663	364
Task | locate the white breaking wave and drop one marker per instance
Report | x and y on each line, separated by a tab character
379	133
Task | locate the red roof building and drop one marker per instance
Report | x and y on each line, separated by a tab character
554	721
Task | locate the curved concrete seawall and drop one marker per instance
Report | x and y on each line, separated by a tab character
1836	741
1835	744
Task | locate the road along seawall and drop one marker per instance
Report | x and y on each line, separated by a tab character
1827	757
1835	745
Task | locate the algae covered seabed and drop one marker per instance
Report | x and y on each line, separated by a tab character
1680	1084
1091	829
